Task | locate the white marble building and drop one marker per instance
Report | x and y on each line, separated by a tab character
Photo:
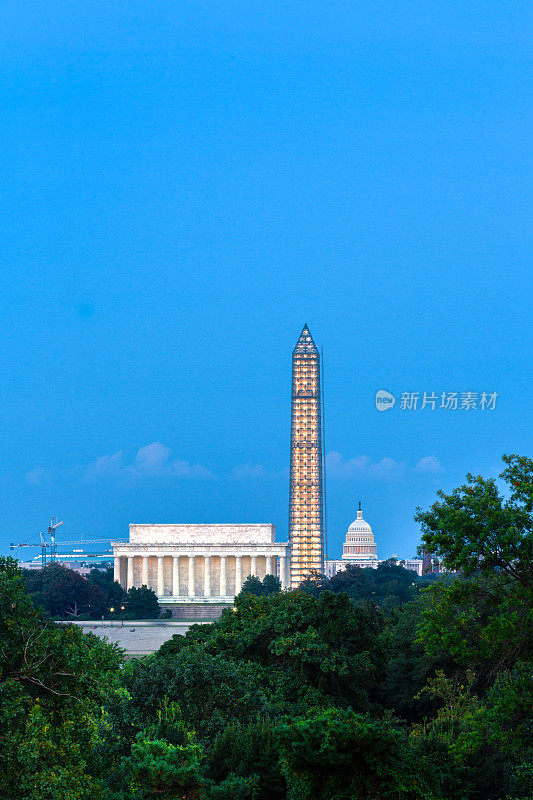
199	564
413	564
359	548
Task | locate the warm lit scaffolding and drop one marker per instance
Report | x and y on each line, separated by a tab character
306	506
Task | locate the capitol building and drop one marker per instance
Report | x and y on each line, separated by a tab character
359	548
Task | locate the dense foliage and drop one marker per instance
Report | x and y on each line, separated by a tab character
64	594
370	686
386	586
261	588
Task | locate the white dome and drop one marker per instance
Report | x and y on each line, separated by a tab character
359	546
359	525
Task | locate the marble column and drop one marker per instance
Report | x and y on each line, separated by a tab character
223	589
160	583
175	576
238	574
116	569
191	591
129	583
253	565
144	580
207	576
269	566
283	571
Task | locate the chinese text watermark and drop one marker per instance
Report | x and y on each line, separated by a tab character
448	401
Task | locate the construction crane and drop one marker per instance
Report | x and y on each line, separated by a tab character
52	534
44	544
52	545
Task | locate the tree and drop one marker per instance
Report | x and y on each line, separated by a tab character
354	580
271	585
142	603
63	592
252	585
406	665
393	584
53	682
487	739
261	588
212	691
313	584
474	529
388	585
115	595
244	762
165	758
161	769
480	625
310	651
346	689
347	756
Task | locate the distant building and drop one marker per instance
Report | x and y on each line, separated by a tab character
422	566
77	560
359	548
413	564
30	564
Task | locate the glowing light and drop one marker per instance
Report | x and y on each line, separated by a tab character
305	497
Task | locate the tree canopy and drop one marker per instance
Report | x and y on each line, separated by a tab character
142	603
261	588
475	530
64	594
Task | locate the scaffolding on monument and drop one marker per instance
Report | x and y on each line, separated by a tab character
306	498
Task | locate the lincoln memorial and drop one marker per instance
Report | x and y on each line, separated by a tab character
196	570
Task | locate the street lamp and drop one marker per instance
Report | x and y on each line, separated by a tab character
112	612
122	609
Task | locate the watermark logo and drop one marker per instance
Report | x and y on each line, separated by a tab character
384	400
448	401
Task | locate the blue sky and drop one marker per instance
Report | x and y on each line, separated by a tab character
185	184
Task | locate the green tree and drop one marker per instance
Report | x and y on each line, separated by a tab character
406	664
388	585
261	588
483	621
115	595
355	581
212	691
340	755
480	626
483	624
488	739
244	762
64	593
309	650
271	585
474	530
252	585
144	759
53	682
161	769
142	603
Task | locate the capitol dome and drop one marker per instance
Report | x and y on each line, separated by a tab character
359	525
359	547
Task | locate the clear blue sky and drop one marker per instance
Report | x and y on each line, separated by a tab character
185	184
